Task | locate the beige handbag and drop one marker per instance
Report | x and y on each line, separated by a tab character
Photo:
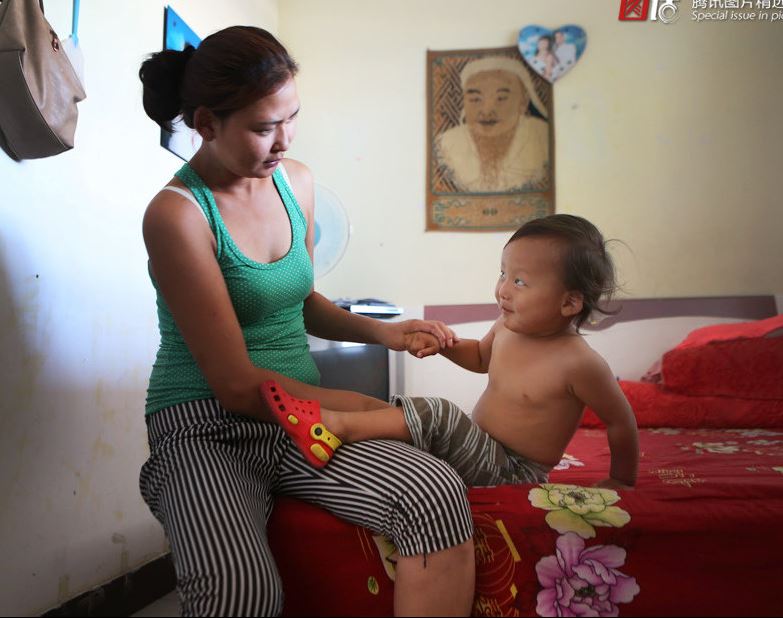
40	88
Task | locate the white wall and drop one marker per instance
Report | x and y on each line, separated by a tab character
78	330
667	137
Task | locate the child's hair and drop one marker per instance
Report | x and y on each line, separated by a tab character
229	70
587	267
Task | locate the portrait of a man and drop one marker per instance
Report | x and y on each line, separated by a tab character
498	146
490	133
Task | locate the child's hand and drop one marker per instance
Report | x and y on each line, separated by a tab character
421	344
611	483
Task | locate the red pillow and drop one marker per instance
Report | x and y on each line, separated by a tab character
729	360
657	407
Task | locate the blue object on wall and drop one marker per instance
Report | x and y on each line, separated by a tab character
182	141
176	33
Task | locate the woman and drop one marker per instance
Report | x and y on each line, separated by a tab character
545	61
230	243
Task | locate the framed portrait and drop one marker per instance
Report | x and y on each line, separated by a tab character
490	126
182	141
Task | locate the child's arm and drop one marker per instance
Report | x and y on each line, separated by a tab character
472	354
594	384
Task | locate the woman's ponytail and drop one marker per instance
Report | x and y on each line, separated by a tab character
162	74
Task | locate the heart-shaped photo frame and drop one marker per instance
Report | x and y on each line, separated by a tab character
552	53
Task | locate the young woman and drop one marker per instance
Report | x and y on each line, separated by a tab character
230	244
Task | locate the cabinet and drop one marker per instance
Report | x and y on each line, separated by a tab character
355	367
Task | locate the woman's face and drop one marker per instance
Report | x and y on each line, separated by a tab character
252	141
493	101
543	44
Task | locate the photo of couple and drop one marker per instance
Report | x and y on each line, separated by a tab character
552	53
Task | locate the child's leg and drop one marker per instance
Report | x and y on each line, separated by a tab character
439	427
319	431
387	423
429	423
436	426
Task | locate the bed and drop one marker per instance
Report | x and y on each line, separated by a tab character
700	535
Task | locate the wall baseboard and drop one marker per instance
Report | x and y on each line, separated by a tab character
125	595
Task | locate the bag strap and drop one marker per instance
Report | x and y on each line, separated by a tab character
75	21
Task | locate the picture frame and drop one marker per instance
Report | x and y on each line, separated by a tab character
490	136
552	53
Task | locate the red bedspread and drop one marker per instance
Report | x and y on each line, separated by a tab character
700	535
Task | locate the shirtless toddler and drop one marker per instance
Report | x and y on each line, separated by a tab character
542	374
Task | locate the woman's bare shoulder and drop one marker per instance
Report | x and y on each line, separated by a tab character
171	209
298	172
302	184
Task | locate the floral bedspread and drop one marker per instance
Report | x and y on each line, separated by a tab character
700	535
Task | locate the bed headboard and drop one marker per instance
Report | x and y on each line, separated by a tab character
729	307
630	341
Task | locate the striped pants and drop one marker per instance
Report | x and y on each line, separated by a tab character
439	427
211	479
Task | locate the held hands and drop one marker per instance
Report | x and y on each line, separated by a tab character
423	344
419	337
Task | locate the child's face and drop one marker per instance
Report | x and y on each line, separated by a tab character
530	289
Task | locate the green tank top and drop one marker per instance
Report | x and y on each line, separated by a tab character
268	300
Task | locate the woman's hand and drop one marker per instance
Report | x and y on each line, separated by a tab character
401	336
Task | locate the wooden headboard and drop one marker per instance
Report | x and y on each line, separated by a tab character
732	307
630	341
